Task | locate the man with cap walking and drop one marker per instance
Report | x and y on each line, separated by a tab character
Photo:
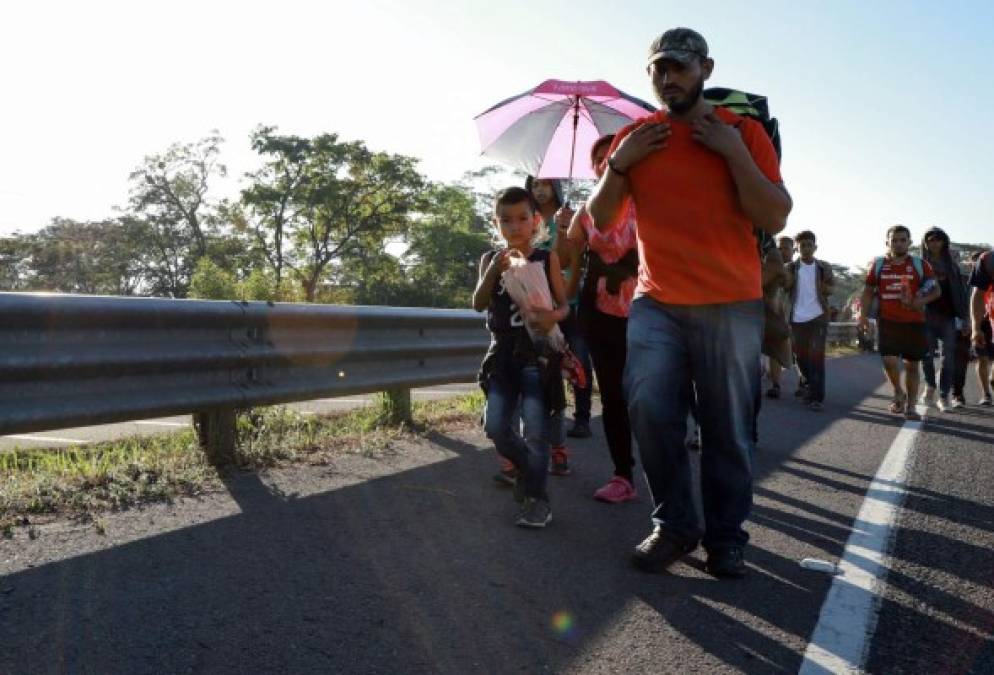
701	178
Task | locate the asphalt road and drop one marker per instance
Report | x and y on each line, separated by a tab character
108	432
409	563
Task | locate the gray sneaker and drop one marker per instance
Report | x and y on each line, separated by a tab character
942	403
956	402
534	513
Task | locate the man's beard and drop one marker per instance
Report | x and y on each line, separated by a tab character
681	107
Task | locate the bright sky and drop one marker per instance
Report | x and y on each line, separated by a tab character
884	106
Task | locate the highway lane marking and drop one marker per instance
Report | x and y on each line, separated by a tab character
151	423
48	439
841	641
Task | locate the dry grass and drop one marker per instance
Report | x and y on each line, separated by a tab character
119	474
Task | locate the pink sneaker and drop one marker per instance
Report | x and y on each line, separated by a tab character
616	490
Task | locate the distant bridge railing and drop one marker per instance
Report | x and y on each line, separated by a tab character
70	360
842	332
78	360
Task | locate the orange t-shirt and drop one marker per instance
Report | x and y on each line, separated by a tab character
696	246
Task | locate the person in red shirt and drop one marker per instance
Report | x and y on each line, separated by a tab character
981	308
902	293
701	179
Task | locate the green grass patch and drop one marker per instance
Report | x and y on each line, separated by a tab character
79	481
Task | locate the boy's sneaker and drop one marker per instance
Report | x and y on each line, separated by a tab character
728	562
985	400
957	402
559	463
660	550
534	513
942	403
928	396
816	406
616	490
580	429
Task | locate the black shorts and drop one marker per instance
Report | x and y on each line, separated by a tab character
988	348
906	340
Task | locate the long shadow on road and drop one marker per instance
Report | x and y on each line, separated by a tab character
422	571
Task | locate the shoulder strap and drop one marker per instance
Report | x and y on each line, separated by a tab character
878	266
919	267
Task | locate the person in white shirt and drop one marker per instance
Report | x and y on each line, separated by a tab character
809	283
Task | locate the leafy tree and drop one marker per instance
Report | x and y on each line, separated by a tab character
171	213
260	284
352	197
482	184
211	282
445	245
274	198
14	262
172	187
70	256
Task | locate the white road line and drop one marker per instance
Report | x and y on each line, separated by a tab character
48	439
152	423
840	642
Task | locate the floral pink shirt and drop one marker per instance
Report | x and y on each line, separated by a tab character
612	246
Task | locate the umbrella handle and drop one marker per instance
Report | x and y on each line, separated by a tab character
572	149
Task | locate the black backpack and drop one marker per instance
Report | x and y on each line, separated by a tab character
747	105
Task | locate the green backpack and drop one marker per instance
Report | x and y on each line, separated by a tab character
743	103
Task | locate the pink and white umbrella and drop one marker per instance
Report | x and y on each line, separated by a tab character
548	131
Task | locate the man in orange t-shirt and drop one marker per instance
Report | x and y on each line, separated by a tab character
701	178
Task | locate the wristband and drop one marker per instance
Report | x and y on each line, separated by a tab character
612	167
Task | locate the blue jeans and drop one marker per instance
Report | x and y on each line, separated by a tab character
555	430
716	347
939	327
507	394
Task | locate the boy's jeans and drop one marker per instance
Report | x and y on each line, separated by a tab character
530	454
717	347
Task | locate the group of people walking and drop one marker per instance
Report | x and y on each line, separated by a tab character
670	286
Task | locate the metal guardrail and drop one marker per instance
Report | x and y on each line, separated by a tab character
842	332
81	360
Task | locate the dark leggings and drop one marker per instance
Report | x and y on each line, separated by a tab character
607	339
962	363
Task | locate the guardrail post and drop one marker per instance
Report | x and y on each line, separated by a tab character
218	435
395	406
